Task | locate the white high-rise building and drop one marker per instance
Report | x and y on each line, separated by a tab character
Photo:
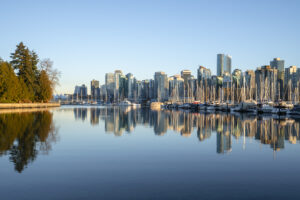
223	64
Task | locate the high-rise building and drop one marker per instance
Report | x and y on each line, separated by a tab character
186	75
278	64
266	87
223	64
161	86
250	84
145	90
203	73
291	84
95	89
80	91
176	88
110	86
130	86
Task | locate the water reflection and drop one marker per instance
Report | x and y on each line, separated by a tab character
267	130
24	135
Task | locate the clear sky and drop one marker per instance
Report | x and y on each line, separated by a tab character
87	39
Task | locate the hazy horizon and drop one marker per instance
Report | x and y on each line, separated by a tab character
87	39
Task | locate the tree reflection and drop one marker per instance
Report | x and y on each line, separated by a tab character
24	135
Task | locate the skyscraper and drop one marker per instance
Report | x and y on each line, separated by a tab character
95	89
265	80
186	75
110	85
203	74
161	86
80	91
130	86
291	83
223	64
278	64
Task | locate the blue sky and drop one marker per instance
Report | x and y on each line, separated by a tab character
87	39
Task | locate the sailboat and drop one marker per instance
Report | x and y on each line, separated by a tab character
283	107
245	105
266	104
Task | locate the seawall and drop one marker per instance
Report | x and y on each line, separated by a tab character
28	105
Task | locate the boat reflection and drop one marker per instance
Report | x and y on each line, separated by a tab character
265	129
24	134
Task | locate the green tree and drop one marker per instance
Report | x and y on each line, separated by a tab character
10	87
45	90
25	63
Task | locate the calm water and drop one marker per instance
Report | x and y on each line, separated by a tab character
113	153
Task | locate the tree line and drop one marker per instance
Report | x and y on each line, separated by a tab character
25	78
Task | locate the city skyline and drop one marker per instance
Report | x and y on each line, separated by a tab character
86	40
273	82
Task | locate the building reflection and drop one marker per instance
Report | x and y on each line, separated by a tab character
266	130
80	113
25	135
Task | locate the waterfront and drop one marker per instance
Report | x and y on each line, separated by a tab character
124	153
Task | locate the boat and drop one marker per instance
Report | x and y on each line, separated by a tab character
156	105
185	106
135	105
226	107
210	108
295	110
246	106
282	108
125	103
264	108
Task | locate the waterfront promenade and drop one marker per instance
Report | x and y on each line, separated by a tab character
27	105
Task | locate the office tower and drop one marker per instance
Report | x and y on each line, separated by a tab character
145	90
176	88
161	86
186	75
130	86
117	83
203	73
291	84
110	85
223	64
118	74
204	83
266	84
151	89
95	89
250	84
80	92
278	64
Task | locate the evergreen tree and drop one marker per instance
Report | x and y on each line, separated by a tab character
10	88
45	90
29	83
25	63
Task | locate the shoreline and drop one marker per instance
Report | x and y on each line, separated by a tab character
27	105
